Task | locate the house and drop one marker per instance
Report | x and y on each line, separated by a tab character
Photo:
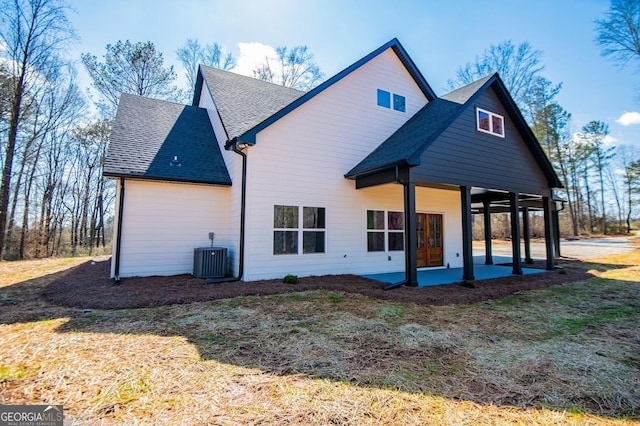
369	172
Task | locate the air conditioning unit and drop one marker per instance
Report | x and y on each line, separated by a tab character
210	262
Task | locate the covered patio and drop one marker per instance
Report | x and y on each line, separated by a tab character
443	147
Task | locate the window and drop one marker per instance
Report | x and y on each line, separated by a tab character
384	98
375	233
489	122
380	231
313	229
395	225
287	230
285	241
398	103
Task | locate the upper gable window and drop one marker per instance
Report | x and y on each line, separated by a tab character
384	98
489	122
399	101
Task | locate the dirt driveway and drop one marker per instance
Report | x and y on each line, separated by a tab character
577	249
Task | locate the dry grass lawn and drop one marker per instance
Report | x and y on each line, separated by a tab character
566	354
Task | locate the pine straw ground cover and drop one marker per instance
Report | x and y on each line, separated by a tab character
562	354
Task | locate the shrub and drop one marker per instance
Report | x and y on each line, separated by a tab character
290	279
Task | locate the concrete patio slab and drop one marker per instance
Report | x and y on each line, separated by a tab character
428	276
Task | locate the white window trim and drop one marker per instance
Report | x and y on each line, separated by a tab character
384	231
393	102
491	115
391	106
300	230
390	99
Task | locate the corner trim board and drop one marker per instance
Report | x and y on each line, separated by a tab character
116	270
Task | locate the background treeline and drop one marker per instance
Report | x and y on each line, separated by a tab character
54	133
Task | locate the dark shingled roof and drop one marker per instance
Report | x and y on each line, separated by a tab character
243	102
406	144
147	135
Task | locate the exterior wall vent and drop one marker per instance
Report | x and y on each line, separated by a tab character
210	262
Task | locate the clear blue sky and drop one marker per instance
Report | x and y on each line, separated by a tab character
439	35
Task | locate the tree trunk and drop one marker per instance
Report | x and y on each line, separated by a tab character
604	215
8	156
588	192
14	203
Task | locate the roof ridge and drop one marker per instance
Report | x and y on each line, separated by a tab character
215	69
134	95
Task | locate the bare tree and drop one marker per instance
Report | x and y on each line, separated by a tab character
518	67
550	124
629	160
618	34
215	56
192	53
5	99
32	32
136	68
617	195
62	110
90	146
294	67
593	135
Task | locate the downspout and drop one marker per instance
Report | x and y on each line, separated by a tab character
404	184
243	202
116	271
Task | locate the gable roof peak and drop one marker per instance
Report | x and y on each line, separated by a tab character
462	94
249	136
242	101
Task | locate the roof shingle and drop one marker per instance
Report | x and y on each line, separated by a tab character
243	102
148	134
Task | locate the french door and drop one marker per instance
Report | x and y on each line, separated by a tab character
429	240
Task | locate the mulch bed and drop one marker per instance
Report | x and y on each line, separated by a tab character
88	286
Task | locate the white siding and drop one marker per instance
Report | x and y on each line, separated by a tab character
164	222
234	165
302	158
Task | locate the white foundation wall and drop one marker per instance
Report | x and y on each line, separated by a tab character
301	161
162	223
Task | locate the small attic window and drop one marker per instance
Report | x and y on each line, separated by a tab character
491	123
399	103
384	98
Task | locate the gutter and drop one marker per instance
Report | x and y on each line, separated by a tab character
237	148
116	272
